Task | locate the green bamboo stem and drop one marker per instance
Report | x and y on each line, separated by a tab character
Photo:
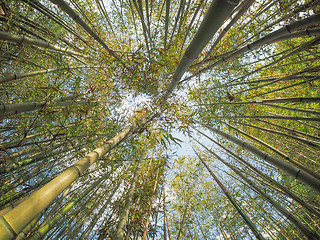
285	156
286	78
119	234
271	37
28	228
272	100
190	25
26	211
314	119
166	217
166	23
296	50
233	202
47	12
292	109
302	140
308	233
290	13
7	110
68	10
31	41
144	235
68	206
309	81
102	9
265	80
182	222
295	172
304	134
144	27
214	18
284	31
9	167
99	214
181	5
244	6
40	72
56	206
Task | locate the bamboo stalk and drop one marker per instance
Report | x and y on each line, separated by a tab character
284	31
67	9
40	72
295	172
313	144
297	164
14	221
128	203
308	233
31	41
247	220
217	13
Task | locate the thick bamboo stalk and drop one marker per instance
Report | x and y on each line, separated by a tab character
278	34
243	8
26	40
285	156
234	203
40	233
15	108
214	18
295	172
14	221
56	206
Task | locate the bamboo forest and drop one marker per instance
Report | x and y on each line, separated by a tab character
160	119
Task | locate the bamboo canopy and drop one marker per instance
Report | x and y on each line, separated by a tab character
159	119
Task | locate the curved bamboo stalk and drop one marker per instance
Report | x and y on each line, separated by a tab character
247	220
217	13
295	172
